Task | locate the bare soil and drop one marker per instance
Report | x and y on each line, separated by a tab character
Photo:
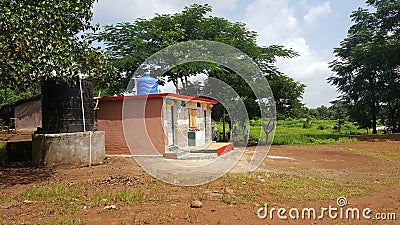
120	192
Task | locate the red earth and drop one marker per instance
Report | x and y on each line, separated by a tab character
120	192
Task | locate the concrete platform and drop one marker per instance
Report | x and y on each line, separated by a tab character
68	149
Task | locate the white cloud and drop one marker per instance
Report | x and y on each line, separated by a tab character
311	69
315	12
276	23
114	11
273	20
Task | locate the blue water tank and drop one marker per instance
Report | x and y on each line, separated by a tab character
147	85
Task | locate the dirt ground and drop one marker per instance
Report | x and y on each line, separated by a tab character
118	191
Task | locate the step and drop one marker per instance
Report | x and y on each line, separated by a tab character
204	151
198	156
175	154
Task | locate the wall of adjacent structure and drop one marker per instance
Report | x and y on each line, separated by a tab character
28	115
143	136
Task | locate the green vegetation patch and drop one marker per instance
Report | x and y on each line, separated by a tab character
298	132
65	199
4	198
392	153
308	188
60	194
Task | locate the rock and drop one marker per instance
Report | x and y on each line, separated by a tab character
229	191
7	205
109	207
196	204
260	178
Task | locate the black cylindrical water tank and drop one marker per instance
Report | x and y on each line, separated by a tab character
62	106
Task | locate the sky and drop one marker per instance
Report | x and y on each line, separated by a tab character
313	28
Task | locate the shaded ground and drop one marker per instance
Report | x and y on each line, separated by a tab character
366	173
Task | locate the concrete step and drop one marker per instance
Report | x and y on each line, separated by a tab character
204	151
198	156
175	154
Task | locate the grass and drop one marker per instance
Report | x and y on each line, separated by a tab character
311	188
392	181
65	198
297	187
226	199
391	153
4	198
59	194
125	195
292	132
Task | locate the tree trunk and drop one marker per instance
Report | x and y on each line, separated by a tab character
223	125
5	95
374	116
175	81
374	124
393	123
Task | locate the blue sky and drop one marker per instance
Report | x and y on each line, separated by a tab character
311	27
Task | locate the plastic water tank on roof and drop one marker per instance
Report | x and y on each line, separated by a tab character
147	85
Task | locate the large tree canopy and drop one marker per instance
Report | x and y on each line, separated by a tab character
367	64
130	44
42	39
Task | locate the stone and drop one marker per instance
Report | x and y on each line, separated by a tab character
196	204
109	207
7	205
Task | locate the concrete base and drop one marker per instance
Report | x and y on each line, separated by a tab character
68	149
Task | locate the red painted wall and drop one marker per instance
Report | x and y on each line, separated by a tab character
143	136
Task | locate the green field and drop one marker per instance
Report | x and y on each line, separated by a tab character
292	132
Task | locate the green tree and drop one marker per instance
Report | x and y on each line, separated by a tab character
41	39
12	95
367	63
288	94
130	44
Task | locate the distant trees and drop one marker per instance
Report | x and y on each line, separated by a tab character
130	44
367	65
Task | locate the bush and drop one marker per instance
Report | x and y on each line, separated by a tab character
307	123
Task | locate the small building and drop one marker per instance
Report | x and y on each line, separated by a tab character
26	113
154	124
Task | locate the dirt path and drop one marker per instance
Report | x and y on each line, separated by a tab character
366	173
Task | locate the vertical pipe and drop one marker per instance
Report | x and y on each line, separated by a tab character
83	108
90	148
84	123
